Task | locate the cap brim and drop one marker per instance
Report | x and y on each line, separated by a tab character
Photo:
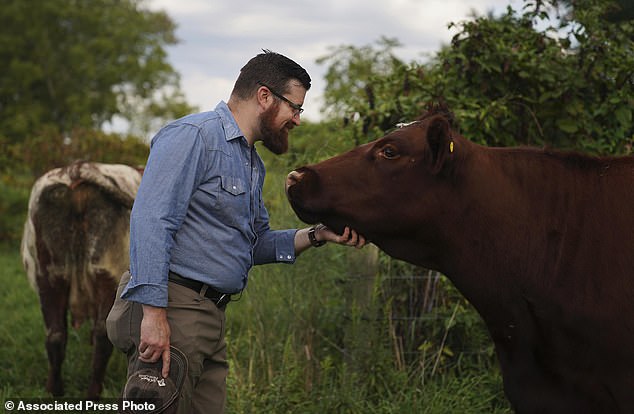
178	366
177	374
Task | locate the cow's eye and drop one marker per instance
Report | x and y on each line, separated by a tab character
390	152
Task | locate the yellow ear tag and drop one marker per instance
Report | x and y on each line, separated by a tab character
451	146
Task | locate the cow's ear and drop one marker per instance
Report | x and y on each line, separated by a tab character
439	142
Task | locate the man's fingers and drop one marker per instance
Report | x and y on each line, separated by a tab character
166	363
149	355
352	239
345	236
348	237
357	240
145	352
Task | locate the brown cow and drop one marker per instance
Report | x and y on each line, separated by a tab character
74	249
540	242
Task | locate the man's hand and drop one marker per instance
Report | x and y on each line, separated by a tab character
155	337
349	237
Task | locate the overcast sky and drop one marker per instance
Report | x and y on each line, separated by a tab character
217	37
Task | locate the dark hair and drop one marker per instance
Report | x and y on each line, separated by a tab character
272	69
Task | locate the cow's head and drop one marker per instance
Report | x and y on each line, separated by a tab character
385	189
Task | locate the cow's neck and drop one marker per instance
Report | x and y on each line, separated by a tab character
518	215
508	204
506	208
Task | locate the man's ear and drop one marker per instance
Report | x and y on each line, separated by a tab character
263	96
440	143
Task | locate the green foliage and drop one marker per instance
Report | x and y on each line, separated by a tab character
569	85
356	85
310	143
28	160
302	340
13	204
50	149
75	64
500	73
352	69
621	10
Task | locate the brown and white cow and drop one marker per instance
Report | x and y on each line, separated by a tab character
540	242
74	249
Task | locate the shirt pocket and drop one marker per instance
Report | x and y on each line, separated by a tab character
233	185
233	202
225	199
210	192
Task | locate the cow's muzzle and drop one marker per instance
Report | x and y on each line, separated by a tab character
293	178
301	193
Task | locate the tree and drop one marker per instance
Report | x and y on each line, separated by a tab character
567	86
76	63
570	85
352	86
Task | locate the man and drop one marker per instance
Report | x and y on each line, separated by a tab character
199	223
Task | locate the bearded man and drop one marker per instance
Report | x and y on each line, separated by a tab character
199	224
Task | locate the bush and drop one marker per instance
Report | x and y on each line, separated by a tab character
50	149
13	206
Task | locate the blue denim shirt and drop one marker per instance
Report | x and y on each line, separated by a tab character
199	210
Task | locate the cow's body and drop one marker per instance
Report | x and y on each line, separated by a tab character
74	249
541	243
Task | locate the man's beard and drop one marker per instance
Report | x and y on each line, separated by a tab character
275	140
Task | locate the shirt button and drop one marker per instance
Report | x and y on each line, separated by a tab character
234	187
289	257
281	256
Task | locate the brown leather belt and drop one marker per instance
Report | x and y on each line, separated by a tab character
218	298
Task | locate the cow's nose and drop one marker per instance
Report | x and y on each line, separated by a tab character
293	178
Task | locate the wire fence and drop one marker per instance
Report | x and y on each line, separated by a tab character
430	324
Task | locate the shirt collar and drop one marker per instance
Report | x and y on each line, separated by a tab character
232	130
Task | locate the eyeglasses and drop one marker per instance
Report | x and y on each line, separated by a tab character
297	109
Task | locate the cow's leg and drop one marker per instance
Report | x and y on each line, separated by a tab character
54	302
101	354
102	347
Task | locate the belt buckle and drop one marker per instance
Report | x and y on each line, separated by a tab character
223	300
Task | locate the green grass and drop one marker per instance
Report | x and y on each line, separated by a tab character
23	360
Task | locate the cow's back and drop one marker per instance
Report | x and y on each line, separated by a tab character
77	230
82	236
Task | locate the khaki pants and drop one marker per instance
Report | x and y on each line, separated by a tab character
197	329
